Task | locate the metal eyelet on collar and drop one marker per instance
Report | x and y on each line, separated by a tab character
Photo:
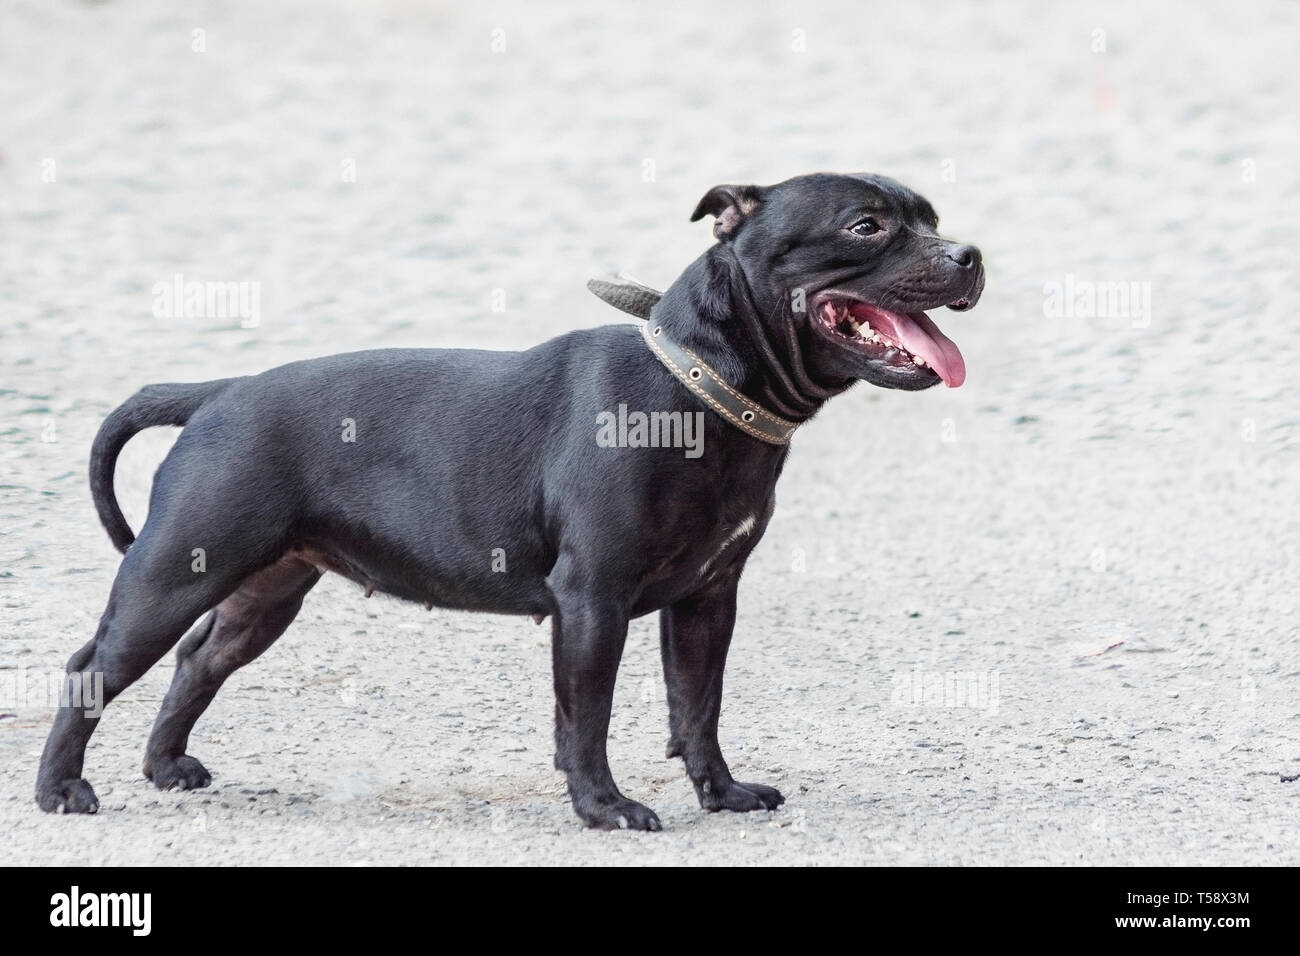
734	407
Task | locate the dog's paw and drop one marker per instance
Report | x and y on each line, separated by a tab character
619	814
178	773
739	797
68	796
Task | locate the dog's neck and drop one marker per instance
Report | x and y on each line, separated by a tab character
711	309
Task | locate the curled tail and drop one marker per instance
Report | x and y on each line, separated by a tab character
152	405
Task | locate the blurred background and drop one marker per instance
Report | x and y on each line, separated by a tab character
1102	522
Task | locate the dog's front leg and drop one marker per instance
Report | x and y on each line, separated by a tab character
587	637
694	635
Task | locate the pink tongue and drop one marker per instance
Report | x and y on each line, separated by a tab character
921	337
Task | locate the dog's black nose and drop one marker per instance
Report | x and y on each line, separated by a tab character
968	257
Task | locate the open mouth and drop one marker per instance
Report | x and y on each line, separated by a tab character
908	341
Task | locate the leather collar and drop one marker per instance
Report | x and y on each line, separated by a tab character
688	368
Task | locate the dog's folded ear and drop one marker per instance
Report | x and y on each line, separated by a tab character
731	205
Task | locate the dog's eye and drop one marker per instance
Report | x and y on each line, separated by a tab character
865	227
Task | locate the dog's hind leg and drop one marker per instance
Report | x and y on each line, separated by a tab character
236	632
694	636
159	591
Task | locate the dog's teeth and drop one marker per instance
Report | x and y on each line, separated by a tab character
917	360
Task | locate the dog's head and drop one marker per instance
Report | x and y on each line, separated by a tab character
857	260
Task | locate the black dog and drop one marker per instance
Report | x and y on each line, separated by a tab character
473	480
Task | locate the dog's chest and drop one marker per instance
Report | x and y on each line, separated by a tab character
728	542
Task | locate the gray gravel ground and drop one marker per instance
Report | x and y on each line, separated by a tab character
1097	534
